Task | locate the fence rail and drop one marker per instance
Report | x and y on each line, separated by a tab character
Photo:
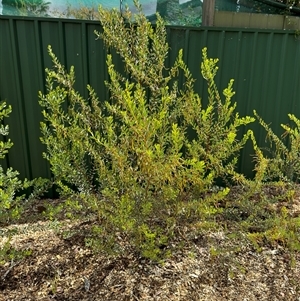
250	20
264	63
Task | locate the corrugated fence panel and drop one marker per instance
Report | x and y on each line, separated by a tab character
31	81
265	66
12	90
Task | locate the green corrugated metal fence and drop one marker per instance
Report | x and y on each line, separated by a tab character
265	66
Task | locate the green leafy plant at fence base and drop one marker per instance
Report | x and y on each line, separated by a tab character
277	170
9	182
284	159
132	159
12	189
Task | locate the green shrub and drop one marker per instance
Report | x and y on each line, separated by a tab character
283	156
131	159
9	182
12	189
266	210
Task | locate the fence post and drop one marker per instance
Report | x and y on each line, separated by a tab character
208	12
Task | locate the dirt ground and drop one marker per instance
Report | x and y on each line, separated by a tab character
61	267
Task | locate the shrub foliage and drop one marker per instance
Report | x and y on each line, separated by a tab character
12	188
132	159
9	181
145	162
283	155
